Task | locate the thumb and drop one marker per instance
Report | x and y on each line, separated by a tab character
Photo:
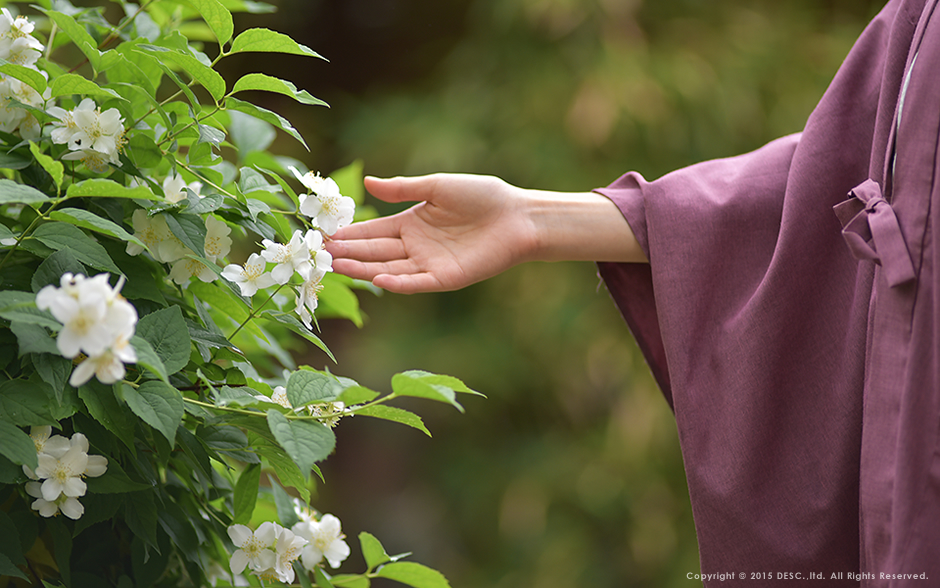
402	189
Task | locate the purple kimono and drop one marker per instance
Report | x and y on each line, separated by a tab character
790	314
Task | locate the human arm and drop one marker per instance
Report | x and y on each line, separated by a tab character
466	228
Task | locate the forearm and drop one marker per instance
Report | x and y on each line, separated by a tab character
583	226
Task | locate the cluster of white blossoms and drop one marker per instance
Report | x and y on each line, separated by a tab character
18	46
57	482
165	247
96	321
93	137
329	413
328	209
271	549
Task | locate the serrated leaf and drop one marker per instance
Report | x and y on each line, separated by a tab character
25	403
266	83
306	387
55	168
68	84
17	446
211	135
246	494
54	370
102	188
395	414
189	229
93	222
15	193
406	384
158	404
59	236
262	40
78	35
305	443
166	332
450	382
287	471
232	103
414	575
207	77
29	76
372	550
33	339
104	408
298	327
357	395
51	269
142	150
148	358
217	17
285	506
27	312
8	568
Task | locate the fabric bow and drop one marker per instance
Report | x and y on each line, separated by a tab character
871	230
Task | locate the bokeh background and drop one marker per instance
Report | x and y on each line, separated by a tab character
569	473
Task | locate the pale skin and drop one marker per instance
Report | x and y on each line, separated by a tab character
467	228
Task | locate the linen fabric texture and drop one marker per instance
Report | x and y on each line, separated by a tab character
789	313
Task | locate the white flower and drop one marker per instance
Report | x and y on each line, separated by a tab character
289	548
96	130
65	127
12	116
250	278
68	505
154	232
63	475
330	209
287	258
320	261
254	548
81	309
218	242
97	464
279	396
330	412
96	161
187	268
174	188
17	45
107	366
307	300
325	541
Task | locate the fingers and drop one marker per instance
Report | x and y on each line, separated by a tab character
375	249
360	270
402	189
408	284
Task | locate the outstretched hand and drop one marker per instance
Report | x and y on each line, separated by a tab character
465	228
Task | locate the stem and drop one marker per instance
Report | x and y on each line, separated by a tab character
32	225
255	311
190	125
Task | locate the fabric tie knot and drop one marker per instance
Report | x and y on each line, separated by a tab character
871	230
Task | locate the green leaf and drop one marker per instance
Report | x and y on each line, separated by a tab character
6	233
78	35
226	302
398	415
142	150
201	73
148	358
26	312
53	167
17	446
372	550
59	236
432	386
104	408
307	387
8	568
305	443
29	76
54	370
268	116
15	193
217	17
285	505
287	471
258	81
166	332
320	577
357	395
33	339
140	514
102	188
189	229
51	269
413	574
298	327
14	160
246	494
339	300
210	135
68	84
10	543
114	481
25	404
450	382
158	404
93	222
350	581
267	41
62	547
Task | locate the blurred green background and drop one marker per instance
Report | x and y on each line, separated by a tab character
569	473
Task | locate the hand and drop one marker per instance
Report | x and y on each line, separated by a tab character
466	228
